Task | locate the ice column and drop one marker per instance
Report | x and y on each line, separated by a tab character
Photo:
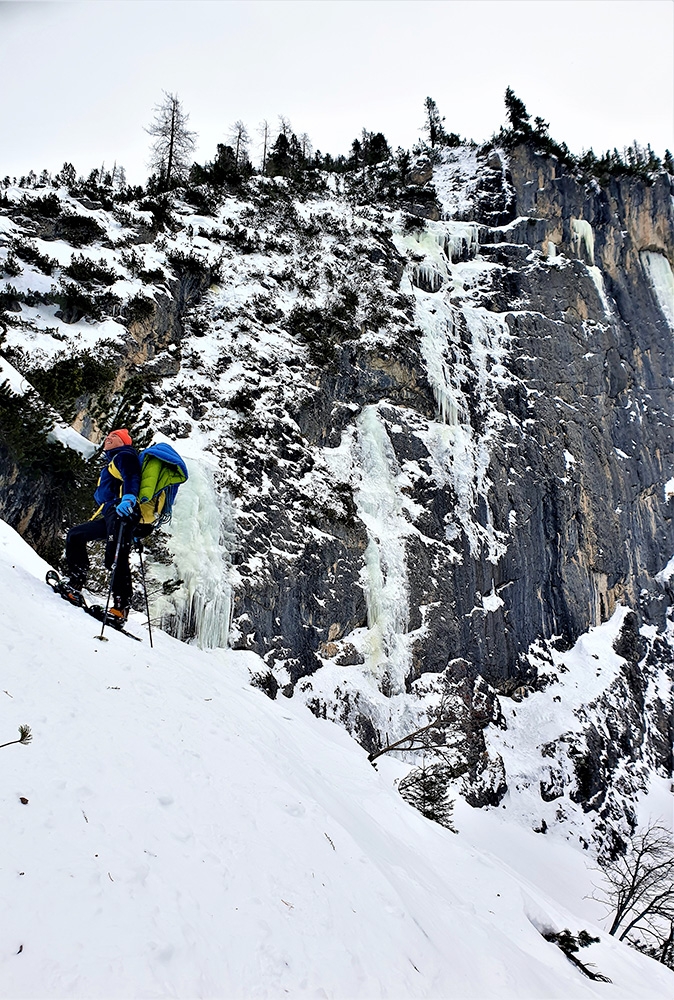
582	236
201	540
384	574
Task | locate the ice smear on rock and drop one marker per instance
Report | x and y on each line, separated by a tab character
659	272
598	280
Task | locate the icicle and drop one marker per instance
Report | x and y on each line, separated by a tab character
427	278
201	539
462	242
385	570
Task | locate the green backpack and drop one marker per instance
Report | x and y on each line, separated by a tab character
162	472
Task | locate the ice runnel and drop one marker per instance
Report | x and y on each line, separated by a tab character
384	572
200	540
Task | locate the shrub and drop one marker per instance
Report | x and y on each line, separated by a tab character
161	211
413	224
265	309
139	308
239	238
190	265
11	265
70	378
29	253
133	261
79	230
88	271
153	276
323	329
425	788
10	299
571	944
46	206
75	304
201	198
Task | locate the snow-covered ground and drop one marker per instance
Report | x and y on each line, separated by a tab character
171	832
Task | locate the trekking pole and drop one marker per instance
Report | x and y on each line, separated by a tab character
139	550
112	580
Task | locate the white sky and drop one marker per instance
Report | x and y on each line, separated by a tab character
79	80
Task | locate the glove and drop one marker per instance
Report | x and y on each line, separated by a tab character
125	506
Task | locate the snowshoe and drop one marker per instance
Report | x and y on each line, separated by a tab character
113	618
97	611
64	589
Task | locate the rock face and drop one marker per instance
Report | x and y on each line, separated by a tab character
441	428
537	504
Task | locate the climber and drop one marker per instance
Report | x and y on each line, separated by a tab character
117	494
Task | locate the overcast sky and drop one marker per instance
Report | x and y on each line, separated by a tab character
79	80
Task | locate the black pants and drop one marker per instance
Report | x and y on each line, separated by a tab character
106	527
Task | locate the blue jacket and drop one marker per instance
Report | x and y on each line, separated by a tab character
119	475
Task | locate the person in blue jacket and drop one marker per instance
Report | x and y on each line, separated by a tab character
117	494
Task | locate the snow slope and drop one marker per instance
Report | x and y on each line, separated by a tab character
184	836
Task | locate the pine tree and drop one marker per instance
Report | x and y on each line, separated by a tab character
518	115
433	125
425	788
66	176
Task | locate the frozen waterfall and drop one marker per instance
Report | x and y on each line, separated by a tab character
200	540
384	573
582	235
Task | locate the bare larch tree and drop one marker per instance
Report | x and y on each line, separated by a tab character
239	139
174	143
263	131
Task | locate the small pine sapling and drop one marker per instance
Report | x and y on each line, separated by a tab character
25	736
425	788
570	944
